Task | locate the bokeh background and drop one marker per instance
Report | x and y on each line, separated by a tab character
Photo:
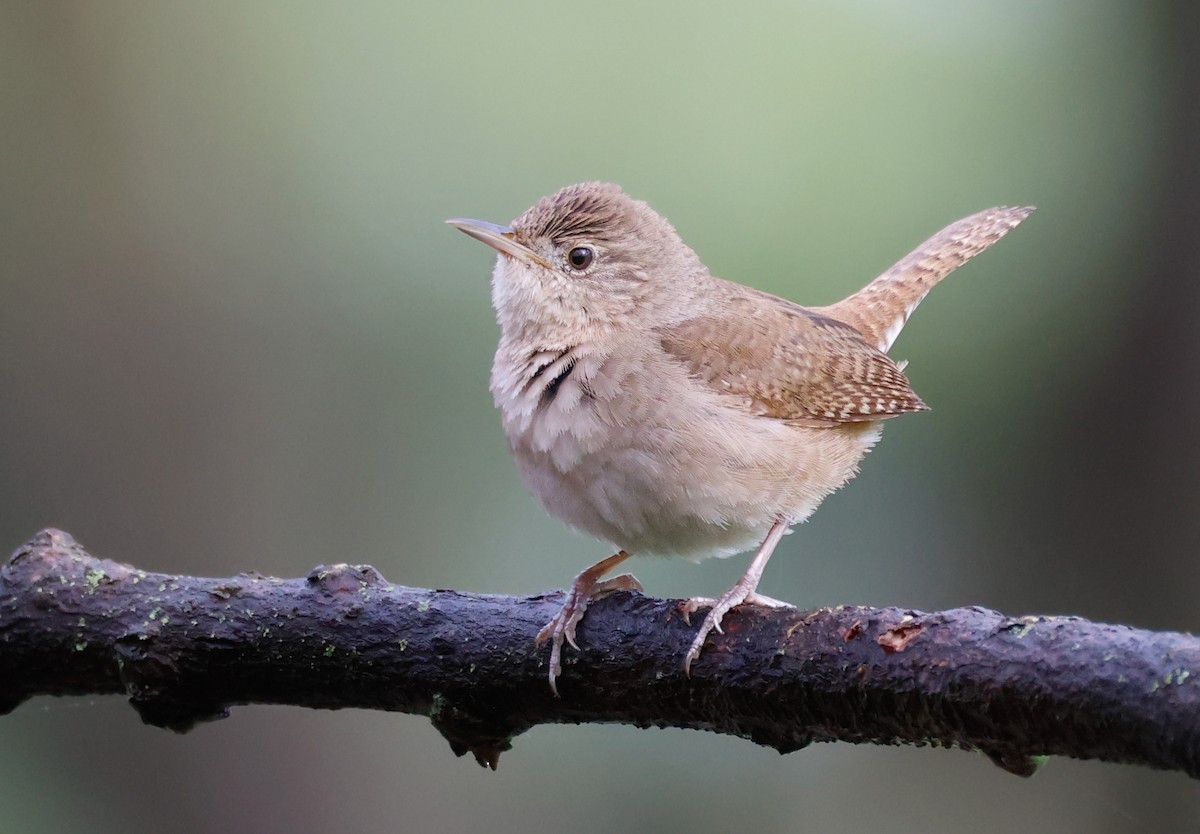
235	335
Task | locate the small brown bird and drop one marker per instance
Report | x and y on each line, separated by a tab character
674	413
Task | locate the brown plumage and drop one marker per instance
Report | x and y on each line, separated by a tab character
777	359
672	412
880	309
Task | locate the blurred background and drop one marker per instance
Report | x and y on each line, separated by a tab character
236	335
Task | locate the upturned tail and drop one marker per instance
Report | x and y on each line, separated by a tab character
880	309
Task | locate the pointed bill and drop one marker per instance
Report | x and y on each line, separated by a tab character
499	238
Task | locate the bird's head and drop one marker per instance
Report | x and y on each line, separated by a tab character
587	256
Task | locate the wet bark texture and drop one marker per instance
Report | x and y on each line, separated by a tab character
184	649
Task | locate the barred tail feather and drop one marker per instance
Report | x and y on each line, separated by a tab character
880	309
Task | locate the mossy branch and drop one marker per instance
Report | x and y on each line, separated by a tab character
184	649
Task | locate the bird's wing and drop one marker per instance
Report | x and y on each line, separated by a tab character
780	360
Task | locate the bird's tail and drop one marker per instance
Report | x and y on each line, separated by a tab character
880	309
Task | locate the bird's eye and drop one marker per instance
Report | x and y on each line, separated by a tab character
581	257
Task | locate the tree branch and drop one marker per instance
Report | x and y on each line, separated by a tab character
184	649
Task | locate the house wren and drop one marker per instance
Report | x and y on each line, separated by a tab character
674	413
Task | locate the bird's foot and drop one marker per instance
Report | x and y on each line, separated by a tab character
740	593
586	587
694	604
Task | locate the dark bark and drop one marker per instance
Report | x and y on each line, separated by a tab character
184	649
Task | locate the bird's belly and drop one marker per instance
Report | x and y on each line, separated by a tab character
618	497
709	481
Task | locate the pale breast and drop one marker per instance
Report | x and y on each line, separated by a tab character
628	447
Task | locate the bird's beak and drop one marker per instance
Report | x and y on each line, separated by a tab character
499	238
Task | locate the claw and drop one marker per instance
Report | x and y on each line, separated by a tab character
691	606
569	633
586	587
743	591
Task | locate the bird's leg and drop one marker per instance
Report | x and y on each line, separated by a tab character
586	587
744	590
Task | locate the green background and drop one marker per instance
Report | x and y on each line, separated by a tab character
235	335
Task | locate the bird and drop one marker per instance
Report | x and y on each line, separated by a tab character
673	413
